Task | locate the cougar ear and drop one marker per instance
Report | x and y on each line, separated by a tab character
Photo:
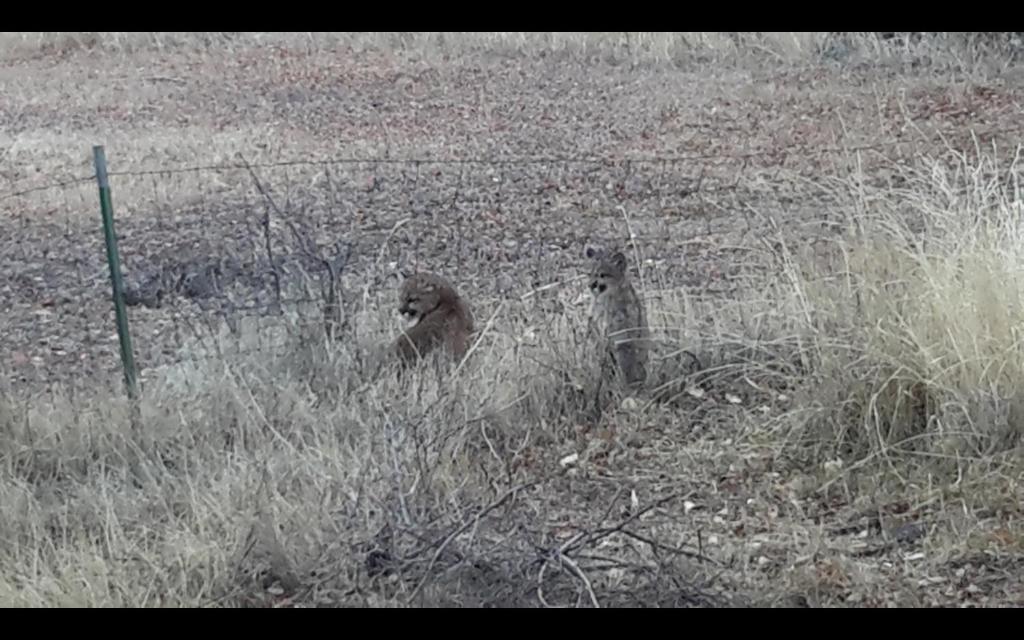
592	252
394	277
619	261
402	268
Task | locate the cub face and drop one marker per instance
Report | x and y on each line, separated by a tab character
607	272
419	295
442	317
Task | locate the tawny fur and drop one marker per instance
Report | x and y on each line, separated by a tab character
619	315
443	318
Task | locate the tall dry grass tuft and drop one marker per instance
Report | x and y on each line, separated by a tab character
916	336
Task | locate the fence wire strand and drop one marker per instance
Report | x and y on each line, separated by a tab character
706	158
439	216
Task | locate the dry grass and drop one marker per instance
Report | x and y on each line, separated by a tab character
632	46
851	438
928	302
622	46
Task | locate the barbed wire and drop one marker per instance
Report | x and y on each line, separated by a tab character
563	159
453	196
781	152
46	187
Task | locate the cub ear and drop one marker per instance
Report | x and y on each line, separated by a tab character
592	252
619	260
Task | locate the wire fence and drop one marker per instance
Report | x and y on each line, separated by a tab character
209	248
776	154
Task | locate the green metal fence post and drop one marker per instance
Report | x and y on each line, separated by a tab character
114	260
